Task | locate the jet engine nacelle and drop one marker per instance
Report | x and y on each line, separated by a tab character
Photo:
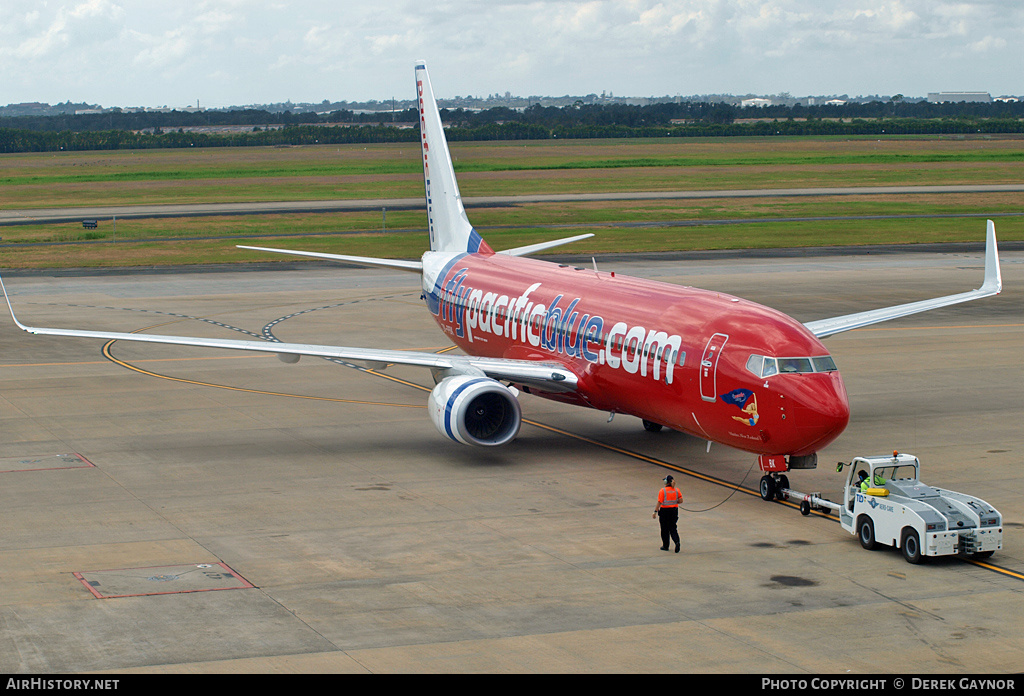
475	410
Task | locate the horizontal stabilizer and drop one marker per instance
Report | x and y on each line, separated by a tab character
541	246
411	266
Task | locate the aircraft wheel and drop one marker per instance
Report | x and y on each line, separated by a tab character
767	488
866	532
652	427
782	482
910	544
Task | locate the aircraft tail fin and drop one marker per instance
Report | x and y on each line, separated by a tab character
450	229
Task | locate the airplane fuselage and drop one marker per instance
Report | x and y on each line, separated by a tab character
689	359
706	363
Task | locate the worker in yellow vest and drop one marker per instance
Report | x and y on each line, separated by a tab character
865	483
667	510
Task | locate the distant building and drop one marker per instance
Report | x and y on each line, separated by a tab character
940	97
755	102
835	102
1005	98
29	107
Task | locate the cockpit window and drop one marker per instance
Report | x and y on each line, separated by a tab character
824	364
763	366
795	365
755	364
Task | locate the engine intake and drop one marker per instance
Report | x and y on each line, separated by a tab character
475	410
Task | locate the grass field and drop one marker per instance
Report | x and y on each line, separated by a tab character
487	169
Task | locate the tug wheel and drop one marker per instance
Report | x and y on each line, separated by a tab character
866	533
910	544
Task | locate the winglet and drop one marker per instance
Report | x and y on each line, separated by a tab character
19	324
993	275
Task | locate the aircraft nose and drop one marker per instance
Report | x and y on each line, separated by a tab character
823	412
835	410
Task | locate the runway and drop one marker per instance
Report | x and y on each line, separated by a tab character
55	215
175	510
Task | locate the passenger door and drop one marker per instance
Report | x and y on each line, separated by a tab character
709	366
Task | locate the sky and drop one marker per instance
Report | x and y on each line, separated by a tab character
235	52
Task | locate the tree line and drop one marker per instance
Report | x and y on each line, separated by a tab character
168	120
662	113
684	119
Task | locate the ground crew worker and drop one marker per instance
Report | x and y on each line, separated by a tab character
667	510
865	483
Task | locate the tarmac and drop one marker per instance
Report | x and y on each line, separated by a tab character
175	510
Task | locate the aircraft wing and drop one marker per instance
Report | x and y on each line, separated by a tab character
548	376
992	285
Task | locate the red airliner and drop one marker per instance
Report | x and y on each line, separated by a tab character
712	365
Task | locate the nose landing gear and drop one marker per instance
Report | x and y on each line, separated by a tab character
774	480
773	485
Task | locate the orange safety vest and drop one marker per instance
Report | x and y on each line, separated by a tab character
669	497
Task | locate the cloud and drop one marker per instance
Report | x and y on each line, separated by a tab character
989	43
161	50
244	51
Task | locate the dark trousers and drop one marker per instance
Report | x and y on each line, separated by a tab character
668	517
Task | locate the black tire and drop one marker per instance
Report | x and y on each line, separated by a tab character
910	545
652	427
782	482
767	488
866	533
805	508
981	555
